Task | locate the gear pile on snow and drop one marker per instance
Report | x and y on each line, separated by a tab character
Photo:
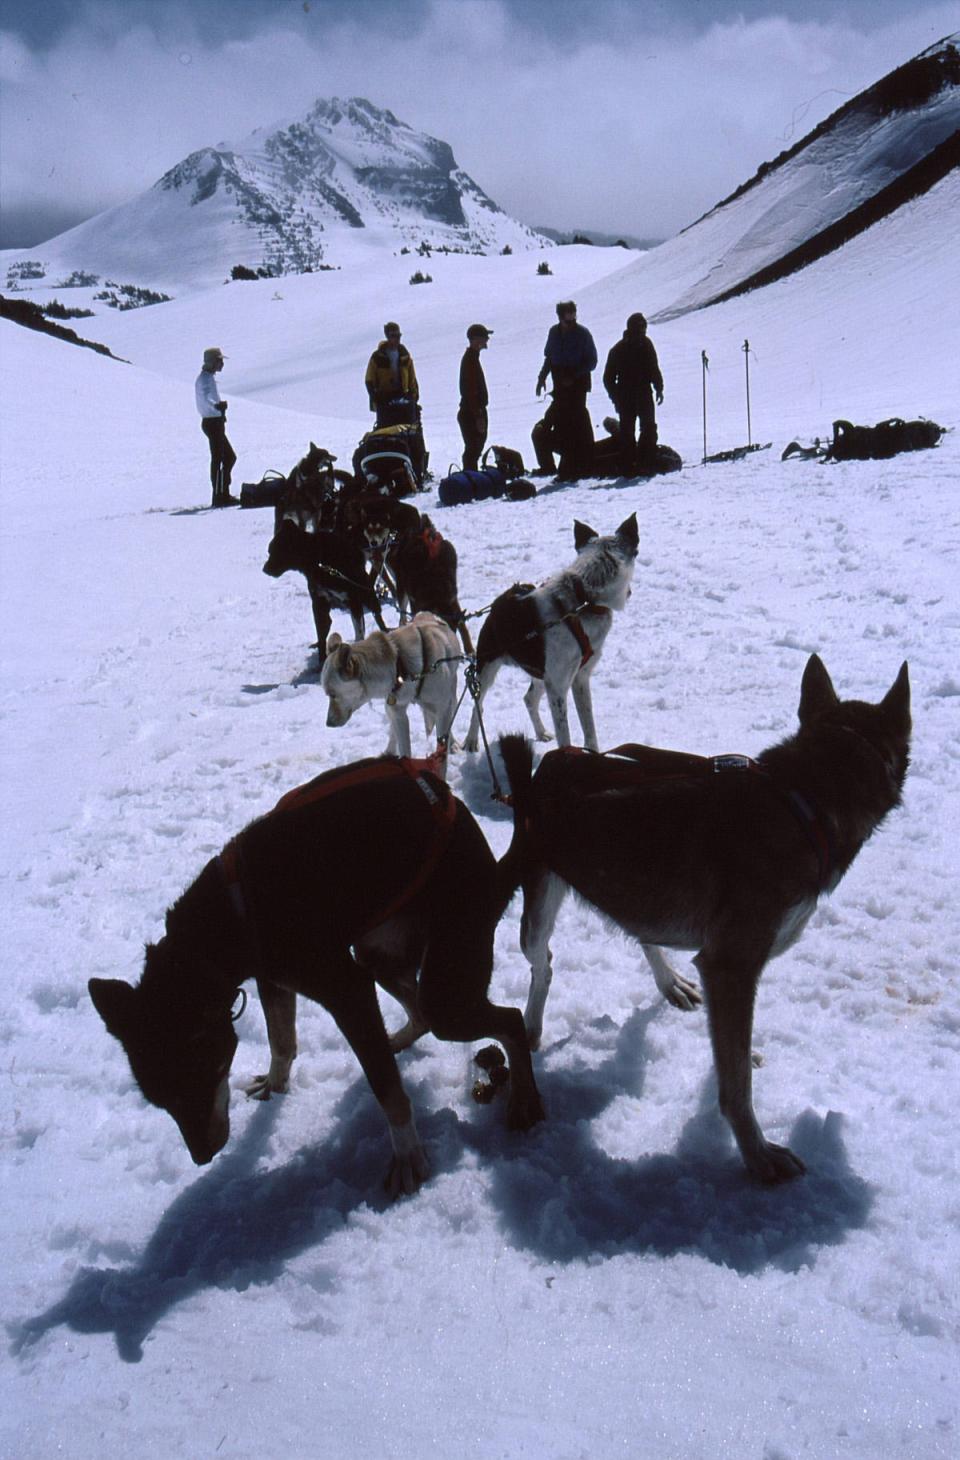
887	438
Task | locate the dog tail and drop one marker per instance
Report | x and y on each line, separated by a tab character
516	752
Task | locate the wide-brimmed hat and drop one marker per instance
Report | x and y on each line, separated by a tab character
213	356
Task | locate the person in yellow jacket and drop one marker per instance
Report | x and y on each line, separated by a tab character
391	381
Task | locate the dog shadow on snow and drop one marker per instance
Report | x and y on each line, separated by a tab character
238	1224
566	1198
557	1194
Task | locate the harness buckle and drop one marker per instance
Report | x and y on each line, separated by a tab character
731	763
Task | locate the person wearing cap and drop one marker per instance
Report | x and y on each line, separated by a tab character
631	376
213	410
391	380
472	415
569	357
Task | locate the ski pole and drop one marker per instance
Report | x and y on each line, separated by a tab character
705	363
746	365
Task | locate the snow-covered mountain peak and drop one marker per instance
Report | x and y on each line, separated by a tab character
347	178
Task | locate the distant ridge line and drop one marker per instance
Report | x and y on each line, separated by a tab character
911	184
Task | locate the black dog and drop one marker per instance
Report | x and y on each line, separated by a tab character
725	855
314	899
336	575
315	493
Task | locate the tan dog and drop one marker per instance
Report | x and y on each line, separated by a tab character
415	664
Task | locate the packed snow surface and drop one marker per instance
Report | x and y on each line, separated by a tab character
610	1284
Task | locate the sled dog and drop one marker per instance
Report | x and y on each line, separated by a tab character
335	574
724	855
556	632
313	899
415	664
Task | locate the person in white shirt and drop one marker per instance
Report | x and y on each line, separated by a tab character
213	410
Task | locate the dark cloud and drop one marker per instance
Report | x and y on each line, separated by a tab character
43	23
27	226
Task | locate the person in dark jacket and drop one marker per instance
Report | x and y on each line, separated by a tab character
569	357
472	415
631	376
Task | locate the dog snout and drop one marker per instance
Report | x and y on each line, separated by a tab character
337	714
271	568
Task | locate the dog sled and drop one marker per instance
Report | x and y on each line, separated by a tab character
391	460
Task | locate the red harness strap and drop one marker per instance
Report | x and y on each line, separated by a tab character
432	541
442	804
579	632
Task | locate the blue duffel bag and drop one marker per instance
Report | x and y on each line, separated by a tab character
473	486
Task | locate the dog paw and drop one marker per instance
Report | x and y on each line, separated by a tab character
407	1174
774	1164
470	745
260	1088
682	994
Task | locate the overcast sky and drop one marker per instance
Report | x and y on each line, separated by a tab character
626	116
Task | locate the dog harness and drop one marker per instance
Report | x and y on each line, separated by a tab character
572	619
440	800
575	625
532	663
650	762
404	675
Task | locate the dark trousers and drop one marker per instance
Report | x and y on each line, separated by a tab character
568	419
636	455
222	455
473	429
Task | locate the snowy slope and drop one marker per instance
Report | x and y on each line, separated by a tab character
347	183
867	151
611	1284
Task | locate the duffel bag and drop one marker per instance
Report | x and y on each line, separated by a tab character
471	486
264	493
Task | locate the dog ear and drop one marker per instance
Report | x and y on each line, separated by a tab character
347	662
313	447
333	643
817	693
115	1002
896	702
582	534
630	532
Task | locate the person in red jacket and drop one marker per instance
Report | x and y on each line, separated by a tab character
631	377
472	415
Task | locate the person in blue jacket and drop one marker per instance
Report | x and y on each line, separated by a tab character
569	357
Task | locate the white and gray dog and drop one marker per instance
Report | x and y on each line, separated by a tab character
556	632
